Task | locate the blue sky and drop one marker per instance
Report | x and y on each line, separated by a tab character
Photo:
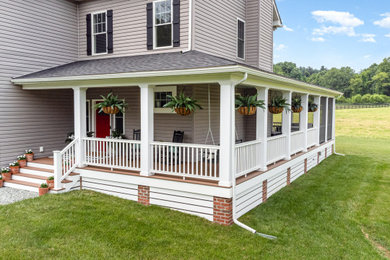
333	33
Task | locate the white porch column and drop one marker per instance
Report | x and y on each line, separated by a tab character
304	119
262	126
147	128
80	119
317	118
286	125
334	120
227	133
326	118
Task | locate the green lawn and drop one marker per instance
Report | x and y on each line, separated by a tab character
320	216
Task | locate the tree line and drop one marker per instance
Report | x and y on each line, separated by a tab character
371	85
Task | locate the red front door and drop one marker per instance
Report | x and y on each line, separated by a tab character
102	124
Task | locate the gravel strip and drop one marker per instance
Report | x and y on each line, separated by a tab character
10	195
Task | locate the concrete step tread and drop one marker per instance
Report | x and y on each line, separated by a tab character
38	169
25	183
31	176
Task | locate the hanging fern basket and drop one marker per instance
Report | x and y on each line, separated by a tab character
247	112
275	110
297	109
110	110
313	110
182	111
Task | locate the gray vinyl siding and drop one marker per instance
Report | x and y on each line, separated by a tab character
36	35
129	21
252	32
266	35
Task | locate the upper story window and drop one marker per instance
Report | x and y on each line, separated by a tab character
163	24
99	34
241	39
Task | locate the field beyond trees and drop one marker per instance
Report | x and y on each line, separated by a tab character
339	210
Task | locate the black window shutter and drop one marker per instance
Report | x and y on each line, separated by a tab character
110	32
149	25
89	35
176	23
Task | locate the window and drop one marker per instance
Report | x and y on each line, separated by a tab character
161	98
99	33
162	23
241	39
119	123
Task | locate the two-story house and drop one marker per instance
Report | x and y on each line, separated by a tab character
58	57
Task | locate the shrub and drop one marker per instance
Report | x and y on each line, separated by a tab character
357	99
366	98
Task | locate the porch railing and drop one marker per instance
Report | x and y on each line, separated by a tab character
276	148
186	160
312	136
247	157
64	163
297	142
112	153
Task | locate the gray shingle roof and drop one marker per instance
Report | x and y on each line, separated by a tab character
140	63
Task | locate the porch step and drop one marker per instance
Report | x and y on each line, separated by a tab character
40	165
22	185
37	171
38	179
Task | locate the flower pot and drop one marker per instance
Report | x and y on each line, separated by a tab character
14	169
29	157
247	112
50	183
275	110
22	163
313	110
110	110
182	111
7	176
43	191
297	110
1	183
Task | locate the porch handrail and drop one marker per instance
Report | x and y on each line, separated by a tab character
187	145
64	162
247	157
276	148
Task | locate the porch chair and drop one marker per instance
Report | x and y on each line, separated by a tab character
137	134
178	137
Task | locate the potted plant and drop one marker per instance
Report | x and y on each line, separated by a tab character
29	155
247	105
6	173
111	104
43	189
22	161
50	182
278	104
1	181
182	104
296	105
313	107
14	167
70	136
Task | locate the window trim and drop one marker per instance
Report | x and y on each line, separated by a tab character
160	110
93	34
244	51
154	26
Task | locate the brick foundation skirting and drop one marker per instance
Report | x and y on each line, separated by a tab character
305	170
144	195
326	153
265	190
318	158
288	176
223	211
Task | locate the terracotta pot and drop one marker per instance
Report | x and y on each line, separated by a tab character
43	191
247	112
295	110
313	110
50	183
110	110
29	157
22	163
14	169
275	110
7	176
182	111
1	183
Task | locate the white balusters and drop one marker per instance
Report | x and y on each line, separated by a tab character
247	156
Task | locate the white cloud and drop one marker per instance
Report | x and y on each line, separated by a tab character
288	29
387	35
385	22
318	39
368	37
335	30
280	47
367	56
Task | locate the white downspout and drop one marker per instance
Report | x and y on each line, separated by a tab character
189	47
235	220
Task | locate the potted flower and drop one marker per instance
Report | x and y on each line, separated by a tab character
1	181
6	173
247	105
29	155
50	182
296	105
43	189
278	104
182	104
14	167
313	107
22	161
111	104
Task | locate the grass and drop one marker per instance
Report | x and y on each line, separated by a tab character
320	216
